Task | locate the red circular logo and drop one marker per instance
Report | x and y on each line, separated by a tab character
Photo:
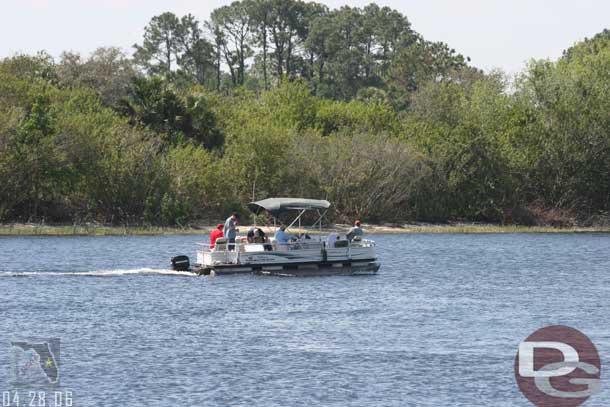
558	366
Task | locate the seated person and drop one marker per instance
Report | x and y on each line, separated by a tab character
355	231
250	235
259	236
281	237
256	235
215	234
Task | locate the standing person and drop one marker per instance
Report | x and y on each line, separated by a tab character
230	231
215	234
331	239
355	231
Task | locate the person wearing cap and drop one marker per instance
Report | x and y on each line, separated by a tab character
355	231
230	231
215	234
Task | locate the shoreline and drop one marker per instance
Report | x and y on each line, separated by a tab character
27	229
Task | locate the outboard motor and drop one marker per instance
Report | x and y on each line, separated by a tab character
181	263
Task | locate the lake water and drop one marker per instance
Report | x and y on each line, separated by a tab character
438	326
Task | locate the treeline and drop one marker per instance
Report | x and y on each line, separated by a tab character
290	98
258	44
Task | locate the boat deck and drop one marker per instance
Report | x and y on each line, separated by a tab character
305	257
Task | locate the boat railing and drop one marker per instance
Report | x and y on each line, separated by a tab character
271	245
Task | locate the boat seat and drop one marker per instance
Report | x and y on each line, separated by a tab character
341	243
221	244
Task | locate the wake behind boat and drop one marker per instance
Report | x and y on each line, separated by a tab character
303	256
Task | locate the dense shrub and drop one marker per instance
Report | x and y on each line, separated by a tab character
466	148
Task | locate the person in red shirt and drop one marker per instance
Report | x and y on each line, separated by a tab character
215	234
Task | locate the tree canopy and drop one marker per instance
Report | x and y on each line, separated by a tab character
292	98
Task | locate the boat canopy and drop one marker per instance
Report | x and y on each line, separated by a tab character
280	205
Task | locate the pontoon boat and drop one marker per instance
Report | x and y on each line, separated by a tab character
306	256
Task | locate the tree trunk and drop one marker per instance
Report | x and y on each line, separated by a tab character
218	72
265	82
201	74
168	55
288	54
321	71
367	68
279	52
242	64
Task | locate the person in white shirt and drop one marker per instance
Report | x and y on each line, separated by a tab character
230	230
331	239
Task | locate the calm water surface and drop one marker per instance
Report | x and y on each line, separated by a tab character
439	325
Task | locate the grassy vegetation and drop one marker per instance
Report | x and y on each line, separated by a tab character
98	230
476	228
93	230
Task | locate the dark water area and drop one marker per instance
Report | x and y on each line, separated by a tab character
438	326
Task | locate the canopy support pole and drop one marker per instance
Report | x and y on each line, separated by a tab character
298	218
320	221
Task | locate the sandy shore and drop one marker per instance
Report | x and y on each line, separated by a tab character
22	229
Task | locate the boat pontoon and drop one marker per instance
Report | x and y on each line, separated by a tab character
308	255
